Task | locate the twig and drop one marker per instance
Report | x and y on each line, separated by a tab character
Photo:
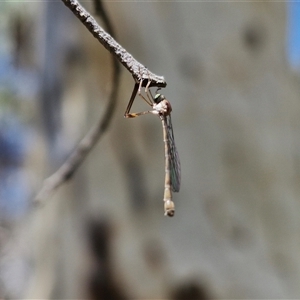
68	168
137	70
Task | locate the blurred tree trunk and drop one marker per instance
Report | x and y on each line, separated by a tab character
236	113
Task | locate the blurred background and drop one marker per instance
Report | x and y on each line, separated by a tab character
232	69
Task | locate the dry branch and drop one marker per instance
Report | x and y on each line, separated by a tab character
138	71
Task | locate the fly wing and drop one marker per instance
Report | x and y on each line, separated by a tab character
175	168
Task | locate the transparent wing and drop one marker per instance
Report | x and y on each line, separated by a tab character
175	168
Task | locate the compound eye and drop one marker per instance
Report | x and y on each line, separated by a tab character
158	98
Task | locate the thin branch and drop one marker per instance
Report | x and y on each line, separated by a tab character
66	171
116	69
68	168
101	12
137	70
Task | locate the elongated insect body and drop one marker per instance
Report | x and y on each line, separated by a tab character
168	203
162	108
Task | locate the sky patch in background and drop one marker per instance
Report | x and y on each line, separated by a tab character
293	34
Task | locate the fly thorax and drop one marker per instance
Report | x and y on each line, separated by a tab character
162	105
